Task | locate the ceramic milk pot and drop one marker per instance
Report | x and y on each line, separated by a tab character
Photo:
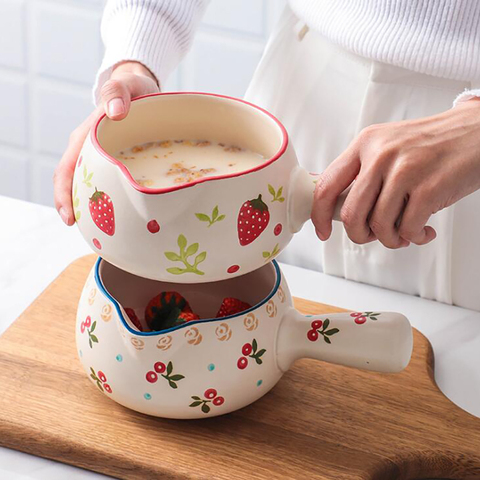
216	365
275	198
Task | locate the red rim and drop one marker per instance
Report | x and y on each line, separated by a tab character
152	191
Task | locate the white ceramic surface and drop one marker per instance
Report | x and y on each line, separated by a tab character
157	233
216	365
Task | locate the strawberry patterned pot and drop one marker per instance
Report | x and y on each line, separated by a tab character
200	231
214	366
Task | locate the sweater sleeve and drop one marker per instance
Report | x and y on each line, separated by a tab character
156	33
467	95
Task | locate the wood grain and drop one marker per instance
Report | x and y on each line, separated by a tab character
321	421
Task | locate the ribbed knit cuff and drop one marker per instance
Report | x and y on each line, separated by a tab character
467	95
156	33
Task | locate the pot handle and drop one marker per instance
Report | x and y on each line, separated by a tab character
378	341
300	198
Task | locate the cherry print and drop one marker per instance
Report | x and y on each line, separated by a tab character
278	229
97	243
316	324
312	335
102	376
151	377
355	314
82	327
242	363
218	401
360	320
247	349
159	367
107	387
153	226
210	393
88	322
233	269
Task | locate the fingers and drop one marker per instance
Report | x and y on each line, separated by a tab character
413	223
63	176
358	205
116	93
386	212
116	98
331	183
130	80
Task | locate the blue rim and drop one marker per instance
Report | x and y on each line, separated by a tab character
102	288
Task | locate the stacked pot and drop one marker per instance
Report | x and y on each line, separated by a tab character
152	240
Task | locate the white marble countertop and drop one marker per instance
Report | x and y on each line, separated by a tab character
36	247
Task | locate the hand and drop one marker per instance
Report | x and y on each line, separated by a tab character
402	173
128	80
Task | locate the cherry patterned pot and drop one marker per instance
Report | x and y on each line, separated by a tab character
214	366
164	234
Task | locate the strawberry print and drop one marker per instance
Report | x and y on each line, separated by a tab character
210	397
253	219
101	210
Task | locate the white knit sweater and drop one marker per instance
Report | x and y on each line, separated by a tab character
436	37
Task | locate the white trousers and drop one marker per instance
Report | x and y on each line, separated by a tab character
325	96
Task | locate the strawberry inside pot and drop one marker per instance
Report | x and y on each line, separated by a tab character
155	306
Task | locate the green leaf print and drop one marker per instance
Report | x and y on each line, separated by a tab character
276	195
173	256
91	337
270	255
214	218
76	203
181	241
172	379
185	253
87	177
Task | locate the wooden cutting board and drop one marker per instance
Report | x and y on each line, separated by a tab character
321	421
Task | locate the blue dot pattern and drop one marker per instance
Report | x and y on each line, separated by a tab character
211	367
147	396
119	358
80	353
259	383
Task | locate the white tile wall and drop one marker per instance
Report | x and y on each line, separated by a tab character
74	60
13	110
12	22
14	176
50	51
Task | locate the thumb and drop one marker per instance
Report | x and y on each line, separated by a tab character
115	96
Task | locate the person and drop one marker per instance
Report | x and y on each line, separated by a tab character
379	96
